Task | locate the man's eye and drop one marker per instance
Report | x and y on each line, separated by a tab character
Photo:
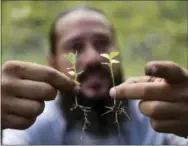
101	44
77	46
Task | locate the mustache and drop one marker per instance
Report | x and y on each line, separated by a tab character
92	69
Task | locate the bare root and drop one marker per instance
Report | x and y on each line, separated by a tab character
85	110
118	109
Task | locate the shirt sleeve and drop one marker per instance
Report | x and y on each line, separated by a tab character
15	137
172	139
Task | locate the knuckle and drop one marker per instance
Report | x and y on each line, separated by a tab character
6	84
8	65
50	74
146	91
13	67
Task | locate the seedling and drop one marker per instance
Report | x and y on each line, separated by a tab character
71	57
118	109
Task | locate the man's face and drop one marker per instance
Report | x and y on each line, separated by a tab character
89	34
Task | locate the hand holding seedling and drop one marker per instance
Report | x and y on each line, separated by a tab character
25	86
164	96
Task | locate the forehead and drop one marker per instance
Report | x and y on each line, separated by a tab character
82	22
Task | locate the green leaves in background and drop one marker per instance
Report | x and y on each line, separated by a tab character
146	30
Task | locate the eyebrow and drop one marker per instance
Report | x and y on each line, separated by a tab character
76	37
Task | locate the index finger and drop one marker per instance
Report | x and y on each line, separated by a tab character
146	90
36	72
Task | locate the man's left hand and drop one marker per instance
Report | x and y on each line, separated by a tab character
163	95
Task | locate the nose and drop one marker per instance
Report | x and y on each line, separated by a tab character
90	56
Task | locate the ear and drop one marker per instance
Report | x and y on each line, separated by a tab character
52	61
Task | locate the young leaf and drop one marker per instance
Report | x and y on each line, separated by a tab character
80	72
105	63
113	54
70	68
114	61
105	55
72	73
71	58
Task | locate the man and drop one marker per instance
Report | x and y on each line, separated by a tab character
162	93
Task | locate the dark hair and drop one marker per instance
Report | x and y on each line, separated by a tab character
52	35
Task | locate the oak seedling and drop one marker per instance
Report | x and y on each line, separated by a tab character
117	107
72	57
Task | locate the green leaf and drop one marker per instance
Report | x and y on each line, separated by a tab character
71	57
113	54
105	55
114	61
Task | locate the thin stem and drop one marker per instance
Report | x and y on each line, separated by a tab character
76	100
75	79
84	109
112	74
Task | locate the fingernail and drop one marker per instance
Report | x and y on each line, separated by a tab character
113	92
153	70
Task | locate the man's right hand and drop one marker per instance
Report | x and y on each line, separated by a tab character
25	86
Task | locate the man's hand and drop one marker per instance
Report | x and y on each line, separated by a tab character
25	86
163	94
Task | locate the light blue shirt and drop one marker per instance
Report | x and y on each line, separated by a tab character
49	129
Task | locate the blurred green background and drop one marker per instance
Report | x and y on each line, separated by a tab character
146	30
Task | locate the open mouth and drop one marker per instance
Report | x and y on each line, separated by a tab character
95	85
